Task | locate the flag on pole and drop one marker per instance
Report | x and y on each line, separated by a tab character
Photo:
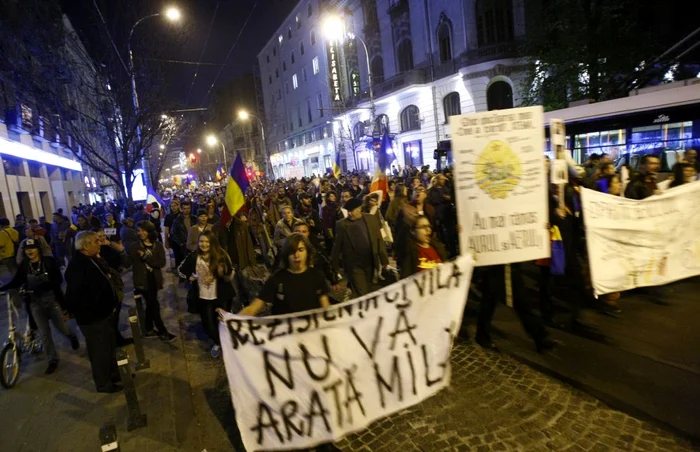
336	164
236	187
218	174
152	197
380	181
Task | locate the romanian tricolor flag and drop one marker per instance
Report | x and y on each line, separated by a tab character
218	174
380	181
336	165
152	197
236	187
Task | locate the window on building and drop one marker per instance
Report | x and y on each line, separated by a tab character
494	21
286	87
410	118
359	130
279	93
314	63
301	48
274	51
499	96
319	104
292	58
277	73
308	109
304	77
299	115
267	57
313	38
34	169
284	66
404	54
13	166
289	32
377	69
281	39
310	10
298	19
451	105
270	80
445	41
295	82
382	124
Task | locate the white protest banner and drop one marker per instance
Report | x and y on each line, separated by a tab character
501	185
305	379
635	243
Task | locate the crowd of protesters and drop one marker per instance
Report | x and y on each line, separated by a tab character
296	244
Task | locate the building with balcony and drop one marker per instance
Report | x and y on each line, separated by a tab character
429	60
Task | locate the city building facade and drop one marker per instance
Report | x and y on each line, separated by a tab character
39	172
429	59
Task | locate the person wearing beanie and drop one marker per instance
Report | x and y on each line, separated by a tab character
359	246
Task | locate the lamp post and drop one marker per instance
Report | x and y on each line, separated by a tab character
172	14
244	115
212	141
334	29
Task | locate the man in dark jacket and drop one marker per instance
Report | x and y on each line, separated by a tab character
359	242
91	297
643	184
180	229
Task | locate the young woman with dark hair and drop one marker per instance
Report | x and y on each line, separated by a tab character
297	286
148	259
422	252
210	271
683	173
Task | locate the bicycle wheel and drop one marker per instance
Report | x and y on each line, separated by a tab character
9	360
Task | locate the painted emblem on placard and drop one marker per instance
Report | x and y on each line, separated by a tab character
498	170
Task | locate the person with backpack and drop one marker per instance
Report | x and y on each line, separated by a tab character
9	239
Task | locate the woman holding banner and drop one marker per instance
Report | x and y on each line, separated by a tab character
210	272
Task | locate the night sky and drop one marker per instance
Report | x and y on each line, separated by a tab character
227	23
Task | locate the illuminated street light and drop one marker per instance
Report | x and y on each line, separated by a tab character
173	14
243	115
333	28
212	141
162	146
199	150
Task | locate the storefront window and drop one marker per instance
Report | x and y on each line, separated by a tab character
34	169
413	153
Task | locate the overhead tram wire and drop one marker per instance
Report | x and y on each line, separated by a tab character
201	55
194	63
235	42
119	55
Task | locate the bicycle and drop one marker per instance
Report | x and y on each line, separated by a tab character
11	353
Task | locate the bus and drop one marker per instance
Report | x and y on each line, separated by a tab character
662	120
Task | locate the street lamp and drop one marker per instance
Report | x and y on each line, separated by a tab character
212	141
334	30
173	15
199	150
244	116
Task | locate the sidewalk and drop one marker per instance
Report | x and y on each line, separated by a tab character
645	361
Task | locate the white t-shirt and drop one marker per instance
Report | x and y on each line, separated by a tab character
206	291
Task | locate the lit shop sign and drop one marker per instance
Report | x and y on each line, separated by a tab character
334	71
22	151
355	82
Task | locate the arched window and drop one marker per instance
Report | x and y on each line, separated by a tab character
410	118
284	65
451	105
499	96
381	124
310	10
301	48
404	54
289	32
494	21
359	130
444	34
377	69
313	38
293	60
